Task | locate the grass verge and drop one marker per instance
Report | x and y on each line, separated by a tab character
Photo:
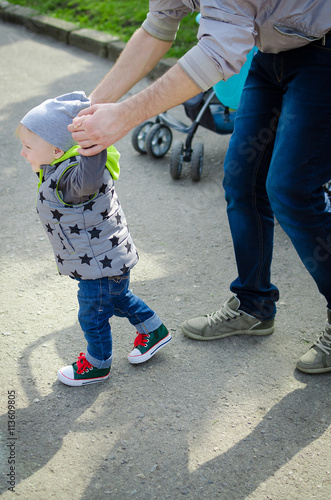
117	17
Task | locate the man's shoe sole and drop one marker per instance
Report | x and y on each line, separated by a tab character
262	332
314	370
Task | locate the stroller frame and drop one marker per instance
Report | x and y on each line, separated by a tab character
190	130
155	138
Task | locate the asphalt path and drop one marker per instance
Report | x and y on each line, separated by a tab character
228	419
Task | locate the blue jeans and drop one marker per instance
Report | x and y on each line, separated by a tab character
101	299
278	159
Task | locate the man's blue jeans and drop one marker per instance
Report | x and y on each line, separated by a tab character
101	299
278	159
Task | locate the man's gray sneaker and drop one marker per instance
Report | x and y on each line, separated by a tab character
229	320
318	358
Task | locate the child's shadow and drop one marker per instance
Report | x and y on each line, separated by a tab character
40	427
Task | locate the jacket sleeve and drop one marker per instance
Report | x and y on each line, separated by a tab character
226	35
83	180
164	17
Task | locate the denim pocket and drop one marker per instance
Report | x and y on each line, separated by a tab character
320	46
118	284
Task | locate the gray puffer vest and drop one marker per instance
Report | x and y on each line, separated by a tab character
90	240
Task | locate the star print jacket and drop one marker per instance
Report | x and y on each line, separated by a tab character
82	216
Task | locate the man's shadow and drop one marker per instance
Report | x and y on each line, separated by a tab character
292	424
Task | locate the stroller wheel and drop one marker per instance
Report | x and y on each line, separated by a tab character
158	140
138	138
176	159
197	161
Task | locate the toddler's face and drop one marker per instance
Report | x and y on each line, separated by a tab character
37	151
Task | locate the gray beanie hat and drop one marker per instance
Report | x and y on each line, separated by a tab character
51	118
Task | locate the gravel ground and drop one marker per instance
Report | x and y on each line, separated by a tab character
228	419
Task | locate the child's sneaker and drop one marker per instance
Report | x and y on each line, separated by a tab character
82	373
146	344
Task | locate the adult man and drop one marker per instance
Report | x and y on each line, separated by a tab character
279	155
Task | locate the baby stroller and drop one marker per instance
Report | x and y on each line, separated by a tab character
214	110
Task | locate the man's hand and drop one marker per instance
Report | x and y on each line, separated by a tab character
98	127
87	127
101	125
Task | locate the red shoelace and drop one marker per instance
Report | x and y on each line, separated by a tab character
141	339
82	364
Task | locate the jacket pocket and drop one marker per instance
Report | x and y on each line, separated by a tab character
64	240
293	32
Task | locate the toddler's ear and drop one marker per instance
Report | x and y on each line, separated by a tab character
58	153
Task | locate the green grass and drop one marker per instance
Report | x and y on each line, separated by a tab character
118	17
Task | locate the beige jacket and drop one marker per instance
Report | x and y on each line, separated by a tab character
229	29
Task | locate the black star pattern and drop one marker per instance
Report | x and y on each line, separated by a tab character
52	184
89	206
114	241
74	229
118	218
124	269
95	233
106	262
105	214
49	229
128	247
59	259
103	189
75	274
41	197
85	259
56	214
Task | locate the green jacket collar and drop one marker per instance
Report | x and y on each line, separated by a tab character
112	162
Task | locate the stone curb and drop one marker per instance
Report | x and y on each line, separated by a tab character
99	43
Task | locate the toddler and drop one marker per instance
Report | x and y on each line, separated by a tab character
84	221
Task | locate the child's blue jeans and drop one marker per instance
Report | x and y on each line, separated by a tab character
101	299
279	158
